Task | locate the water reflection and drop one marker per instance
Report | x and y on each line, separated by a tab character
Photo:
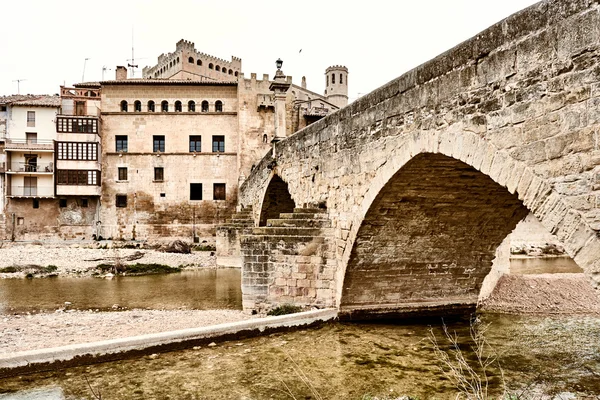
195	289
548	265
344	361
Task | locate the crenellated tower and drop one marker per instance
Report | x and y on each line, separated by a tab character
336	85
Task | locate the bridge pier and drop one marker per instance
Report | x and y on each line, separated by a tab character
289	261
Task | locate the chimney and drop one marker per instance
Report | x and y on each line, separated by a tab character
121	73
303	82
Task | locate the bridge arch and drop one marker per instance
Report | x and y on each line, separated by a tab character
393	213
275	200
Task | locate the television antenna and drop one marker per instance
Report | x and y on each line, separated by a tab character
19	84
83	74
104	69
132	64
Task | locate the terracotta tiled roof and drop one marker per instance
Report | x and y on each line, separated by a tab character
36	100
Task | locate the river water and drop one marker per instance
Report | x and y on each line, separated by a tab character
558	356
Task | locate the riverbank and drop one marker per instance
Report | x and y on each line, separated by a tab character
83	259
30	332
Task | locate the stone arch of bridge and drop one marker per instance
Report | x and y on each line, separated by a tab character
275	200
431	221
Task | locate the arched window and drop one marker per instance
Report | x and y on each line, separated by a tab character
211	66
191	60
177	60
199	62
205	106
177	106
191	106
333	79
341	79
236	73
327	79
137	106
150	106
217	68
171	64
124	106
218	106
230	72
265	138
164	106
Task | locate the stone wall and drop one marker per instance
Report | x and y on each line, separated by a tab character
518	103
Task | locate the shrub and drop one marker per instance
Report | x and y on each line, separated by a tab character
285	309
9	270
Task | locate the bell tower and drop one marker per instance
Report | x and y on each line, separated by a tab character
336	85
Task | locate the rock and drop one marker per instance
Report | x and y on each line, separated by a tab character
212	344
177	246
68	303
153	356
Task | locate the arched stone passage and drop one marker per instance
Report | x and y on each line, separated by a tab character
429	237
277	200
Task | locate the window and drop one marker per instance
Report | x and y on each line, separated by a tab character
219	106
199	62
219	191
163	195
235	73
122	171
341	79
124	106
195	144
121	200
158	144
30	118
218	144
230	72
195	191
327	79
205	106
159	173
76	125
36	203
2	108
177	106
31	137
191	106
137	106
217	68
121	143
77	151
332	79
191	60
77	177
151	106
211	66
84	203
164	106
62	203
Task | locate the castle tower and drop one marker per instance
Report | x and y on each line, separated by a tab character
336	85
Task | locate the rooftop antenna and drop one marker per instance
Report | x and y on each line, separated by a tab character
83	74
19	84
104	69
133	65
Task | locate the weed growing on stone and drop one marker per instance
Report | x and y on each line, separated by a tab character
285	309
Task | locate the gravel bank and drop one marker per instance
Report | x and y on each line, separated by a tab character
543	294
82	261
29	332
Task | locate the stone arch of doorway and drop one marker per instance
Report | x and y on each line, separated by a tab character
479	157
275	200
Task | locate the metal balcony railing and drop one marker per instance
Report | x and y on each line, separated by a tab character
30	191
29	167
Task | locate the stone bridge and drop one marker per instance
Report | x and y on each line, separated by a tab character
398	202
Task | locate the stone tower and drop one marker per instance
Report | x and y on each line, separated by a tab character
336	85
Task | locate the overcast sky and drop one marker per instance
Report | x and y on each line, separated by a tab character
46	43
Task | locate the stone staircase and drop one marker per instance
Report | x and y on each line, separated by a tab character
289	261
228	244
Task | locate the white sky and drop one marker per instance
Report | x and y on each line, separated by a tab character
46	42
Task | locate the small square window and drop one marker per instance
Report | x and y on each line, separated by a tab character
158	144
36	203
195	191
62	203
159	173
163	195
84	203
121	200
219	191
122	173
20	220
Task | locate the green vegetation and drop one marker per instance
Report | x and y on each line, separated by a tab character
138	269
285	309
204	247
9	270
32	269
